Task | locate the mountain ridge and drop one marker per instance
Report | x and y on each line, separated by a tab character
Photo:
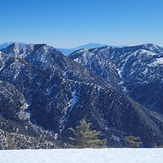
135	67
58	92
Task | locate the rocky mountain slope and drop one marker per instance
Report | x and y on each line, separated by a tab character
16	130
138	70
42	88
99	63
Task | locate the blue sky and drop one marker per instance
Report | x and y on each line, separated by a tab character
69	23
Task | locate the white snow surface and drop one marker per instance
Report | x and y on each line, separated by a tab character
123	155
74	99
159	61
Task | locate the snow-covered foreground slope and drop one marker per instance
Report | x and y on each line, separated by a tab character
83	156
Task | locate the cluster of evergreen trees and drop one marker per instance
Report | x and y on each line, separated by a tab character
85	137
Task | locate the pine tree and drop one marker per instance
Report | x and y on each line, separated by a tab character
157	146
84	137
10	142
133	142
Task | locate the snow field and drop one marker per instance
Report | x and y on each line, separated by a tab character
123	155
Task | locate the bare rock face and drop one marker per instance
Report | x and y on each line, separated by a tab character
41	90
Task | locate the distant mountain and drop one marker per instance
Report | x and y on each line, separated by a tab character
86	46
46	93
5	45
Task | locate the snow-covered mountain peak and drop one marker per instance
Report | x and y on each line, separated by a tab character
18	49
19	43
6	44
152	47
15	44
22	50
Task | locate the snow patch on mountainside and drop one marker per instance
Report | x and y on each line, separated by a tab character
146	52
158	61
23	114
74	99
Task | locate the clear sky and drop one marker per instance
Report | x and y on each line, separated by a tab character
69	23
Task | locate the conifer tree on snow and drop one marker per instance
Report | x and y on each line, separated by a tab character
85	137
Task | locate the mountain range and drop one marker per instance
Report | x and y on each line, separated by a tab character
5	45
65	51
138	70
119	90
